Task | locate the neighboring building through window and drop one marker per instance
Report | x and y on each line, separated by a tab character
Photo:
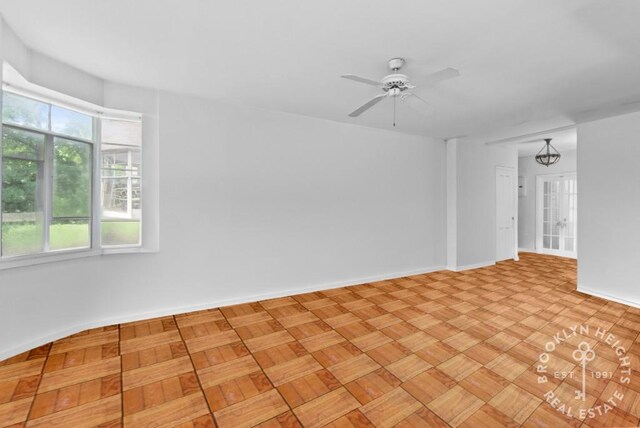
49	186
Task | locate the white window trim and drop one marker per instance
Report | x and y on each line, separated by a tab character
95	248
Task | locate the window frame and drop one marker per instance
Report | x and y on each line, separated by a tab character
95	220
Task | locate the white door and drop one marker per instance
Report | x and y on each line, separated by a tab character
556	216
505	214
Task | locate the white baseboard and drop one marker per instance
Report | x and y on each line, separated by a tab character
473	266
34	343
526	250
608	297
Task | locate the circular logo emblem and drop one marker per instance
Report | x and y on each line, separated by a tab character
584	370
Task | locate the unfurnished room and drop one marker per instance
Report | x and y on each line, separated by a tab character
357	213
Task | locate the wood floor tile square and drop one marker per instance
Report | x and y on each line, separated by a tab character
390	408
153	355
525	352
388	353
75	395
308	387
215	375
253	411
489	417
332	355
529	381
384	321
515	403
371	341
286	310
459	367
297	319
353	368
198	317
422	417
269	340
72	375
417	341
310	329
429	385
408	367
341	320
373	385
455	405
353	419
280	354
321	341
219	355
149	374
15	412
326	408
159	392
84	341
484	384
283	420
292	369
507	366
436	352
461	341
482	353
503	341
236	390
211	341
91	414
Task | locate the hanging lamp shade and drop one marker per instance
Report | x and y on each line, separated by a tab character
548	155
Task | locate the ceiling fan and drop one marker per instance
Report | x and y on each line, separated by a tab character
396	85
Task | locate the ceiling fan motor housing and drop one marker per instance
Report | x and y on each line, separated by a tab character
394	84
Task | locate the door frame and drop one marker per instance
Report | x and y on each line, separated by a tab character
540	206
514	189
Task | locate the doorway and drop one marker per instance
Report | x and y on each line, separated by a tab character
506	238
556	215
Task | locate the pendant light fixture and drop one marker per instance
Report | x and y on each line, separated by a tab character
548	155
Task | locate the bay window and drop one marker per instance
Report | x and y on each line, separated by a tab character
71	180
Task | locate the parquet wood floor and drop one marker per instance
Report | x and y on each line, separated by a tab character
440	349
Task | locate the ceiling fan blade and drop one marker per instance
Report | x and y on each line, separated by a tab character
417	104
360	79
439	76
366	106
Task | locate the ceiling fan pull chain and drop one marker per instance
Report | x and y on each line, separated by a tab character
394	111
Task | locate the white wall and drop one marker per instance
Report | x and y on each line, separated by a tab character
476	210
609	208
253	204
530	169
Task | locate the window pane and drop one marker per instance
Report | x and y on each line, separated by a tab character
116	160
22	144
72	123
121	188
71	178
19	110
121	198
22	192
121	132
65	234
120	232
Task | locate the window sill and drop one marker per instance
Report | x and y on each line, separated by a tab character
21	261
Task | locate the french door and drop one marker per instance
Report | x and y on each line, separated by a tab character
556	217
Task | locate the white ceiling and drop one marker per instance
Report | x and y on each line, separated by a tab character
521	61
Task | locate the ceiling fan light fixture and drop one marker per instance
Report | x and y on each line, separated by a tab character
548	155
